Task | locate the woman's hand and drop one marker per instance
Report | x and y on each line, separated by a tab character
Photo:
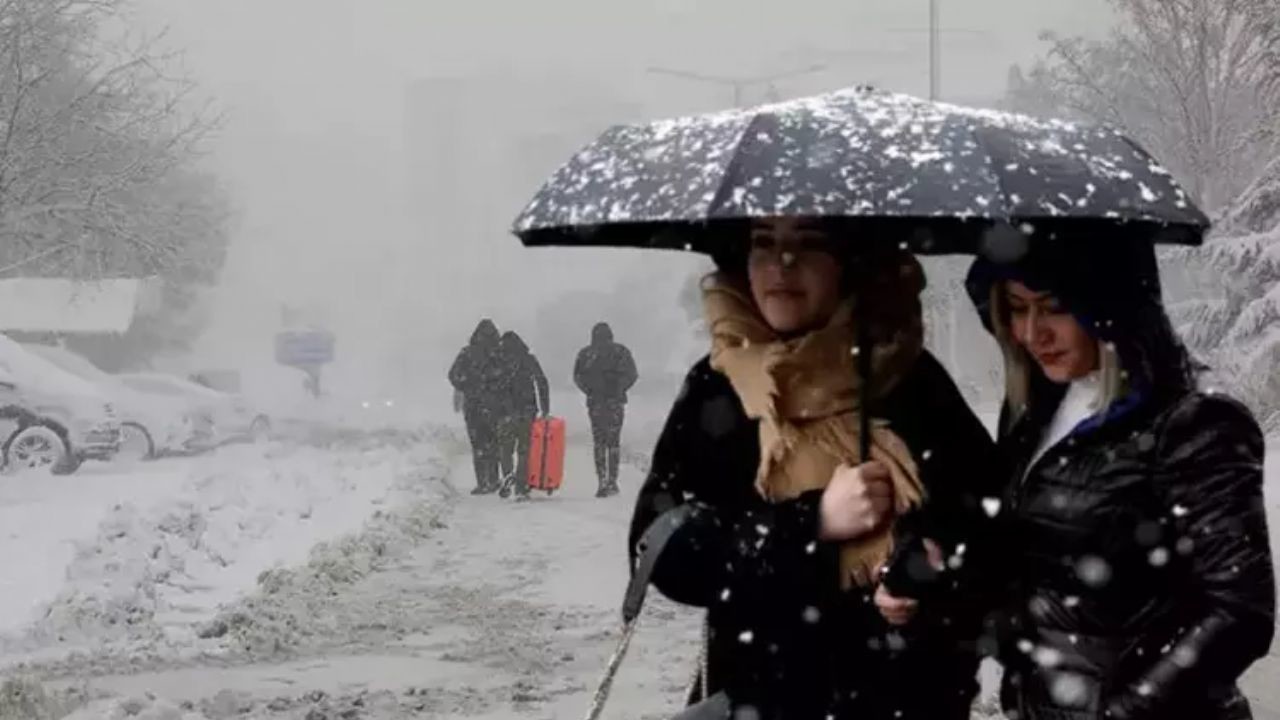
900	611
856	502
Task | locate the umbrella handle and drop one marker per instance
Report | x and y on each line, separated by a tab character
865	349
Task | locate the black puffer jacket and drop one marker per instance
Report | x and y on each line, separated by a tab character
785	640
1142	579
604	370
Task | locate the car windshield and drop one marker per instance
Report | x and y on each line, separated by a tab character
30	369
72	363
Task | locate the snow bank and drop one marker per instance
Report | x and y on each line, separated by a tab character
23	698
166	552
291	607
143	708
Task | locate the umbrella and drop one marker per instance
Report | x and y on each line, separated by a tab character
944	175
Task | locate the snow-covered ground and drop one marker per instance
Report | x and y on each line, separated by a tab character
144	555
480	608
206	527
355	580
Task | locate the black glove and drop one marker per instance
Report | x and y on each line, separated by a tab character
908	572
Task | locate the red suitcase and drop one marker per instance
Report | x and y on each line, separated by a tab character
546	454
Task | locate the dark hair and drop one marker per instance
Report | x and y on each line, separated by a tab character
1111	284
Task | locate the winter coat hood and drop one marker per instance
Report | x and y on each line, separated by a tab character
1110	285
601	334
512	344
485	334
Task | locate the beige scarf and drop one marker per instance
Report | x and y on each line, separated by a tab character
806	393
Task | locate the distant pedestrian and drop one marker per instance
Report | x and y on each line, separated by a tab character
477	378
604	372
526	395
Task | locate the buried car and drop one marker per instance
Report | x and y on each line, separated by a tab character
54	419
151	424
231	419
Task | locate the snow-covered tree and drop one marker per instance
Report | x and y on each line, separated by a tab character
1182	77
97	148
1231	315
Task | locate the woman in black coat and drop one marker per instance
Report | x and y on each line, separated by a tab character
790	635
1140	577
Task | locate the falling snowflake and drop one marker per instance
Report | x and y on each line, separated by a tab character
1047	657
1159	557
1069	690
746	637
1093	571
812	615
991	506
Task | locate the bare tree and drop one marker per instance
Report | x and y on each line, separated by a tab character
97	145
1183	77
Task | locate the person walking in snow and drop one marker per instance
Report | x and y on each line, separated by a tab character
1140	583
604	372
476	376
526	395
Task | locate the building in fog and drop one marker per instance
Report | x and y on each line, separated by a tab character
480	144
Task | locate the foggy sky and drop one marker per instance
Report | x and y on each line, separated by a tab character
316	149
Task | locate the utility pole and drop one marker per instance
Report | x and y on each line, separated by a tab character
935	52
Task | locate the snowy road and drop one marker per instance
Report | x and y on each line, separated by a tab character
494	610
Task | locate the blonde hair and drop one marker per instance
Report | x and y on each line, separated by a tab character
1018	363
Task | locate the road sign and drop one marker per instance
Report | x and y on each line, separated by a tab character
305	348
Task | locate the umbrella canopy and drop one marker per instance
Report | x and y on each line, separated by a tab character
943	175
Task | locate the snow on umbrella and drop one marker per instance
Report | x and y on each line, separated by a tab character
949	172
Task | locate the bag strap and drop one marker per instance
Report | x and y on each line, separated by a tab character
650	547
651	544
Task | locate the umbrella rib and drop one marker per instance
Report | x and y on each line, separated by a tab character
1003	192
731	169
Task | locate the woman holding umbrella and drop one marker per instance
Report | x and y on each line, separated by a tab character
790	530
1141	582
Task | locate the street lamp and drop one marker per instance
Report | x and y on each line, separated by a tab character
738	84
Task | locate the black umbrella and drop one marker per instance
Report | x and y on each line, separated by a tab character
936	177
944	174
